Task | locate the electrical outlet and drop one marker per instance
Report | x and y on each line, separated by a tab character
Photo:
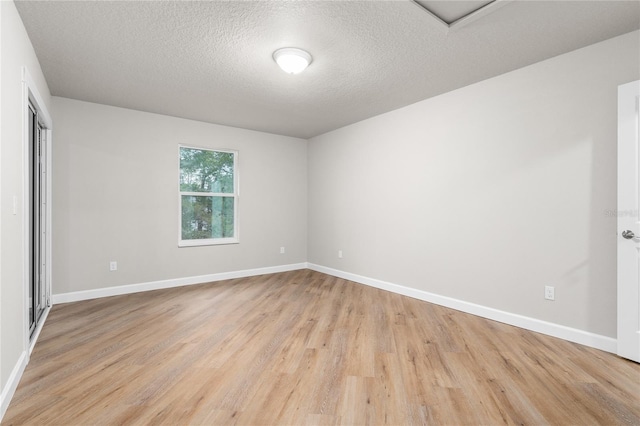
113	265
339	254
281	250
549	292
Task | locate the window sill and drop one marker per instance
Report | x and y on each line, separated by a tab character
208	242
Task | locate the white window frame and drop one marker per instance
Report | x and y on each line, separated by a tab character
236	197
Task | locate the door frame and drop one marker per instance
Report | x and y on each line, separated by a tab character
30	94
628	312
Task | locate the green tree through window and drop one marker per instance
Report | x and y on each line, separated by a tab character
208	196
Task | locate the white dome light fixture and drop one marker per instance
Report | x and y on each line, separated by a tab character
292	60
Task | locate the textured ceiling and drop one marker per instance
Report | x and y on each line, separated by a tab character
211	61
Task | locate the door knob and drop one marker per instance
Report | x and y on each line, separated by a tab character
628	234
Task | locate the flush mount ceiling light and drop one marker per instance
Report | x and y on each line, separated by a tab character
292	60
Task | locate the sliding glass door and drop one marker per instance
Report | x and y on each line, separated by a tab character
37	223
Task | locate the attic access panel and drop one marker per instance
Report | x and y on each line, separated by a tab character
450	12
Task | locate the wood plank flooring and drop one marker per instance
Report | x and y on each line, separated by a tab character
303	348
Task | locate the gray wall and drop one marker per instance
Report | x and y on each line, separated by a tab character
488	193
115	192
15	52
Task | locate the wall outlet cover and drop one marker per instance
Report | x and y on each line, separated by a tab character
549	292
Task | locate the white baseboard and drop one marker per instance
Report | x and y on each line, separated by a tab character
12	383
177	282
582	337
16	374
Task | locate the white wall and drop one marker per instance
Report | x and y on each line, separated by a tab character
16	51
115	192
488	193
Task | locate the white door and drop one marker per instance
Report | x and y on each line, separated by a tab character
629	221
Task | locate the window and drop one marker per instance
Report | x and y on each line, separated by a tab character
208	197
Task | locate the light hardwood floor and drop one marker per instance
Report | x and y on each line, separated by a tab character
306	348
